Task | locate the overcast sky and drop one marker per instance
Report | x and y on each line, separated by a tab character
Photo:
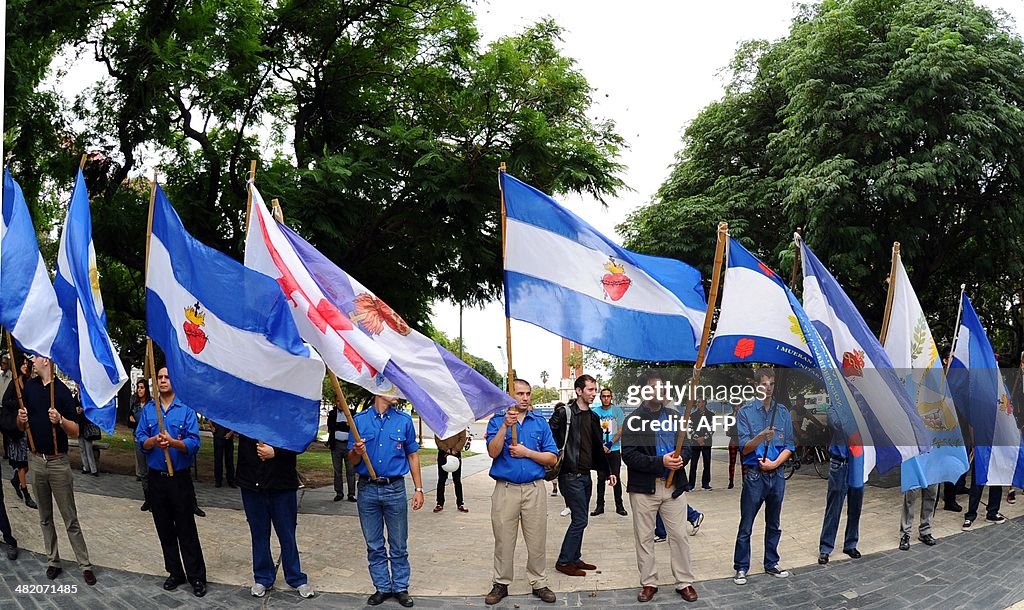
654	65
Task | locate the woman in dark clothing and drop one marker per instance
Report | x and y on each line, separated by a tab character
16	441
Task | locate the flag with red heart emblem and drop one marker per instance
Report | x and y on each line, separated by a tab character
232	349
564	276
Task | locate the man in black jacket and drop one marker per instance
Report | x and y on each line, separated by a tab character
269	483
583	453
648	450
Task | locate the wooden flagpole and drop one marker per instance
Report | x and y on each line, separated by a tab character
716	273
339	394
956	331
508	321
17	390
891	293
155	392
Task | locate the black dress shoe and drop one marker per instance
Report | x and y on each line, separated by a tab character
954	507
218	485
853	553
198	511
404	598
823	559
53	572
172	583
597	511
144	507
621	511
377	598
905	542
232	485
927	539
338	497
199	588
12	551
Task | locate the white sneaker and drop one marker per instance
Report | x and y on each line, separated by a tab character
306	590
565	512
258	590
695	525
740	578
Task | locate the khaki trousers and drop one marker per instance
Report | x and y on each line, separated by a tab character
51	481
511	505
673	512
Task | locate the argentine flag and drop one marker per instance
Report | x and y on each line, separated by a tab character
760	320
232	349
566	277
909	343
28	305
897	432
980	394
82	348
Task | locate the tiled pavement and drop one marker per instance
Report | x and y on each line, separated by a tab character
451	555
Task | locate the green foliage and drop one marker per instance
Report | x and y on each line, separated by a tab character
379	126
543	394
874	121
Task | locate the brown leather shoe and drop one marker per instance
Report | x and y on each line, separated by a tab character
646	594
585	566
545	594
688	594
498	593
569	569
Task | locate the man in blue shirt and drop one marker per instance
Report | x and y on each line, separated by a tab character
611	417
388	438
843	484
519	492
171	494
766	441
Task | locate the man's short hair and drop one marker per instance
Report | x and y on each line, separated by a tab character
652	374
582	381
763	371
609	390
522	381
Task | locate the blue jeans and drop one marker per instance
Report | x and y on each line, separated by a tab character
576	489
281	510
659	525
838	490
759	488
380	506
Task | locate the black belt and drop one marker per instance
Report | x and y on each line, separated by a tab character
162	473
381	480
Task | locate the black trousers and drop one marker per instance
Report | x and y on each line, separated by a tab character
442	479
171	500
614	467
696	454
995	498
223	455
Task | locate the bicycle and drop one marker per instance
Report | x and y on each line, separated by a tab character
790	467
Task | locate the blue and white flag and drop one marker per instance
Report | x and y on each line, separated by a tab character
890	415
980	394
756	321
446	392
28	305
760	320
82	347
910	345
566	277
232	349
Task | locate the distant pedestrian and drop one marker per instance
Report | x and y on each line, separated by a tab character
448	448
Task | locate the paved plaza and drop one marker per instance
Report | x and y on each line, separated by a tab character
451	553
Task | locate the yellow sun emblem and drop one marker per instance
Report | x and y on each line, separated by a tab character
794	327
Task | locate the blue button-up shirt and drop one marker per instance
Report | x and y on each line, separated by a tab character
181	423
752	419
534	433
390	438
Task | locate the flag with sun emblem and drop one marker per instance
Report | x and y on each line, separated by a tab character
82	347
361	337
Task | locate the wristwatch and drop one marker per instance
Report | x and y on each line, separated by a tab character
419	489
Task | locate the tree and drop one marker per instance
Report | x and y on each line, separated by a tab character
544	378
380	126
874	121
543	394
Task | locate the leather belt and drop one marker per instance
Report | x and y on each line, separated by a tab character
380	480
49	457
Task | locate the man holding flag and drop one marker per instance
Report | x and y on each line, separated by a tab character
845	482
980	394
387	438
